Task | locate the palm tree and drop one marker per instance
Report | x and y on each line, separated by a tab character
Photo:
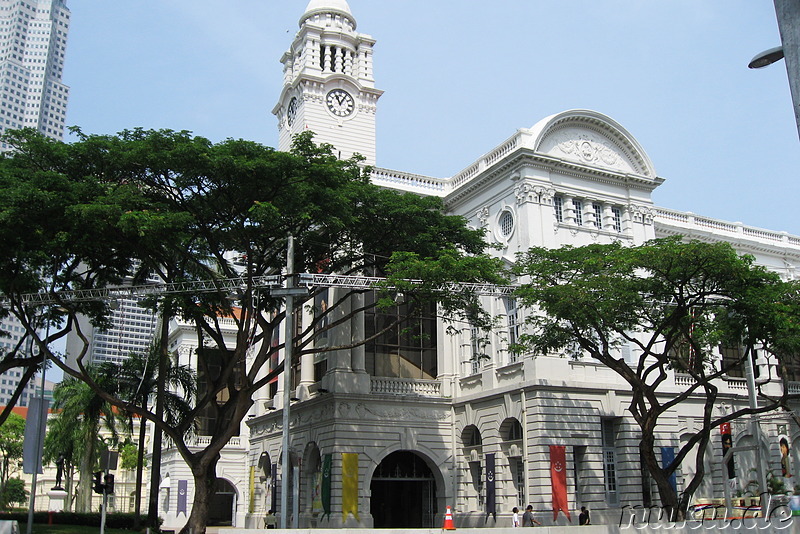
82	412
137	383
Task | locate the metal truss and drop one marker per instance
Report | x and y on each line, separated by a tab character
370	282
269	283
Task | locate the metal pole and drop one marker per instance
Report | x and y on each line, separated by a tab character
788	14
103	514
755	428
287	383
40	424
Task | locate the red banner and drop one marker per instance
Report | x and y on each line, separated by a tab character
558	480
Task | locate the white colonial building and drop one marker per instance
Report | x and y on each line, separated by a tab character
415	422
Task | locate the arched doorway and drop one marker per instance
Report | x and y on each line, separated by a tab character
221	507
403	492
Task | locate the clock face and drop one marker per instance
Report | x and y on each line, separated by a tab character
291	111
340	102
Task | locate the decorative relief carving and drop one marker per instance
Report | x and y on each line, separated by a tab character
641	214
546	195
370	412
588	147
483	216
524	193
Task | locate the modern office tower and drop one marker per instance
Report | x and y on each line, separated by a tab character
33	40
13	331
132	329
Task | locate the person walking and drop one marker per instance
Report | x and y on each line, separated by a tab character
527	518
515	517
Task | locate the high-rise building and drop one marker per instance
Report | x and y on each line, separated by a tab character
11	339
33	41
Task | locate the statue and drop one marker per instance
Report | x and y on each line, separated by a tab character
59	471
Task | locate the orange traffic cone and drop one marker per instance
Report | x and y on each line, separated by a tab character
448	520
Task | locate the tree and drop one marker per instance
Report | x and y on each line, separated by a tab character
83	412
65	438
12	433
673	302
194	204
14	492
138	384
62	208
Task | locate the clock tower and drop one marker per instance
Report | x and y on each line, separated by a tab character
328	86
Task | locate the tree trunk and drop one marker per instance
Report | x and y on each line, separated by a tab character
155	470
84	502
205	478
667	494
137	499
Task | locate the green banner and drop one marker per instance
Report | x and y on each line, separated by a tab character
327	460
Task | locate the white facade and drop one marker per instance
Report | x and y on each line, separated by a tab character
422	442
33	40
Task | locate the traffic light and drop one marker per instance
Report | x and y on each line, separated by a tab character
98	482
109	483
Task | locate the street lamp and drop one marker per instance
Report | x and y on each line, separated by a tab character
788	14
767	57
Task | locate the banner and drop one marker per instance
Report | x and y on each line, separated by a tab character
558	480
667	457
349	485
251	506
327	460
727	443
785	446
273	484
182	490
33	440
491	500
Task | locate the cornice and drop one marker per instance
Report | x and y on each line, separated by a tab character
526	157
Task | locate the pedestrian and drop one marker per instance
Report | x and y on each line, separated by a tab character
583	519
527	518
515	517
270	521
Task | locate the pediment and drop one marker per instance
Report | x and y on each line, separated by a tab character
587	148
589	138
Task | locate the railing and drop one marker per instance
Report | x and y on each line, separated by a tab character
683	380
199	442
409	181
405	386
690	219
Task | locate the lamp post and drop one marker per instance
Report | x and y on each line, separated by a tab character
788	15
290	291
41	425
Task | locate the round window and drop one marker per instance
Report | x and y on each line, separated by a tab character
506	223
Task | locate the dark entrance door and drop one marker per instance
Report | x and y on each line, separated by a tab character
403	492
221	506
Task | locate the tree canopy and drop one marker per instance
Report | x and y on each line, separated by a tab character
177	207
672	303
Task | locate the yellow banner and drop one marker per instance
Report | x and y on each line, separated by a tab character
252	505
349	485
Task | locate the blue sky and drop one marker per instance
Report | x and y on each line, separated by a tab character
460	76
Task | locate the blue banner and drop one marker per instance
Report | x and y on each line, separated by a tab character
667	457
183	488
